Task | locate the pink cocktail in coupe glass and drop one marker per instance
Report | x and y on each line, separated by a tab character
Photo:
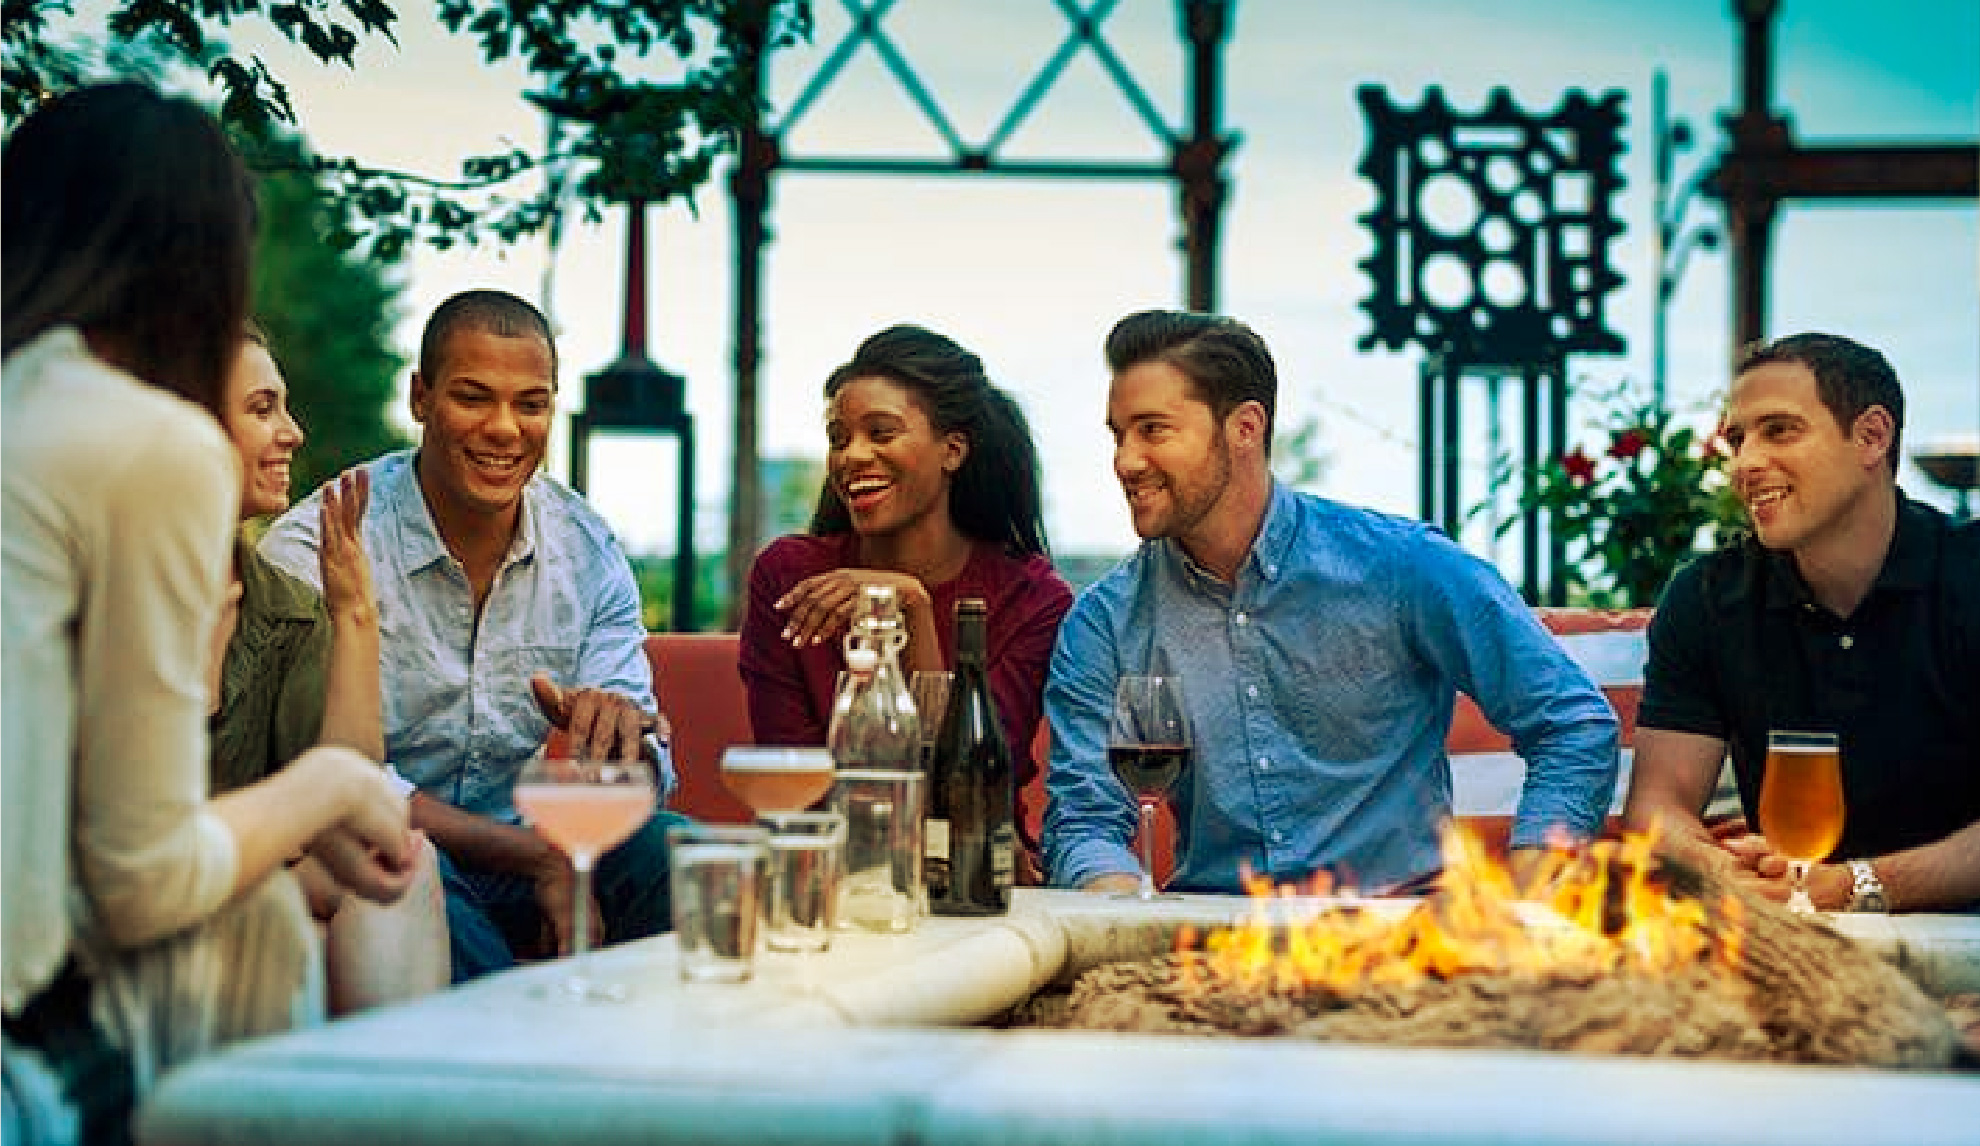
586	808
777	779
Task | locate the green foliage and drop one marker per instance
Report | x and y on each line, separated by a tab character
32	67
1655	497
789	488
329	317
655	575
627	139
1298	459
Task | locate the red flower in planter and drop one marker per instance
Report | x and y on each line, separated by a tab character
1628	443
1653	494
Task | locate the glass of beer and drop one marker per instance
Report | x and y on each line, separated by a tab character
777	779
1801	804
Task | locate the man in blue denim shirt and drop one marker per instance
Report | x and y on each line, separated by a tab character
1319	648
505	604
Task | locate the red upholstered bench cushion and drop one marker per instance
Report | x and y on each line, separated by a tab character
1610	645
700	690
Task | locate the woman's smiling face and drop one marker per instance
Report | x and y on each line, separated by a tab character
265	435
886	459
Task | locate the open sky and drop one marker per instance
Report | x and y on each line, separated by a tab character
1031	274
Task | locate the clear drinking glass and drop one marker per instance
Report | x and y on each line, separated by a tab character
1148	746
805	853
930	690
586	808
719	875
1801	803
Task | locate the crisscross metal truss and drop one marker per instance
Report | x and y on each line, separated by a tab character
1492	230
1084	33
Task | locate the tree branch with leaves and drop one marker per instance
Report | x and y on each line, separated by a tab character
626	139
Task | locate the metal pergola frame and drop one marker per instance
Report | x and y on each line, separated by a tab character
1195	164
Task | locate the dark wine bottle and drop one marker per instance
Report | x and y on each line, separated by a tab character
970	787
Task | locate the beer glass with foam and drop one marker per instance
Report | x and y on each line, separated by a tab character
1801	803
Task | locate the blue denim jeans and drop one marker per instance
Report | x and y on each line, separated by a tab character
72	1085
492	915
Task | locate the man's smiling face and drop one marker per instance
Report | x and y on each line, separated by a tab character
1800	474
1171	455
487	418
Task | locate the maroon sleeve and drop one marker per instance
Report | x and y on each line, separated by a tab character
1023	629
780	704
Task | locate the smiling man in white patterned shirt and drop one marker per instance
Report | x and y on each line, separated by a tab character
502	596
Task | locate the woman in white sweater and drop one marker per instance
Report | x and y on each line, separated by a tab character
144	923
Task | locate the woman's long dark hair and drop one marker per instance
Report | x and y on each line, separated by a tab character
128	215
994	495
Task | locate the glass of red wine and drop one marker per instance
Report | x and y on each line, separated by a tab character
1148	746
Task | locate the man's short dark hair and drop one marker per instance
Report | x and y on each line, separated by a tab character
1849	377
490	311
1227	364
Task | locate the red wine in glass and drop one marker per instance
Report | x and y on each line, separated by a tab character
1149	770
1148	746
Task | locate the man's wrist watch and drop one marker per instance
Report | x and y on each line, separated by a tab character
1866	891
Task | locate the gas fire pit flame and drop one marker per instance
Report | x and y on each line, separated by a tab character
1608	909
1615	949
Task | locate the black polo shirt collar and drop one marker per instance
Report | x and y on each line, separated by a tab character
1907	566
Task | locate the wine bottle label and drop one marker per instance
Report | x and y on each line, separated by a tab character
935	859
1003	856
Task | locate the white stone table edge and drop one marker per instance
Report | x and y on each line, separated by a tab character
787	1059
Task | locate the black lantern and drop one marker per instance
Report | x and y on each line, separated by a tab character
635	395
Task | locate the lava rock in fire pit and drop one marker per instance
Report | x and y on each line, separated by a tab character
1772	986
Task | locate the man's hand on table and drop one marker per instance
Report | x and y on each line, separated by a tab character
601	724
1744	856
1114	881
1829	884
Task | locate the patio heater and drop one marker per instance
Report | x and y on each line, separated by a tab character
1955	464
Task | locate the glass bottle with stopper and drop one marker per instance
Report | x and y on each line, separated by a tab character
875	741
874	723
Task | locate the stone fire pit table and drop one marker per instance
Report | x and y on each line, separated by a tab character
871	1043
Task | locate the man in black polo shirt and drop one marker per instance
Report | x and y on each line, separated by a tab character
1851	609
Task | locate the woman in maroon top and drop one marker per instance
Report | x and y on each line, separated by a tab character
931	486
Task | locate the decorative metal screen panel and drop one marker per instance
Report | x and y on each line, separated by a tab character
1492	230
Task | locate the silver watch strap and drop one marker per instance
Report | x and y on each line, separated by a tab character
1866	891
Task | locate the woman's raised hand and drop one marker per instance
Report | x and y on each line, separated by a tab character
346	570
